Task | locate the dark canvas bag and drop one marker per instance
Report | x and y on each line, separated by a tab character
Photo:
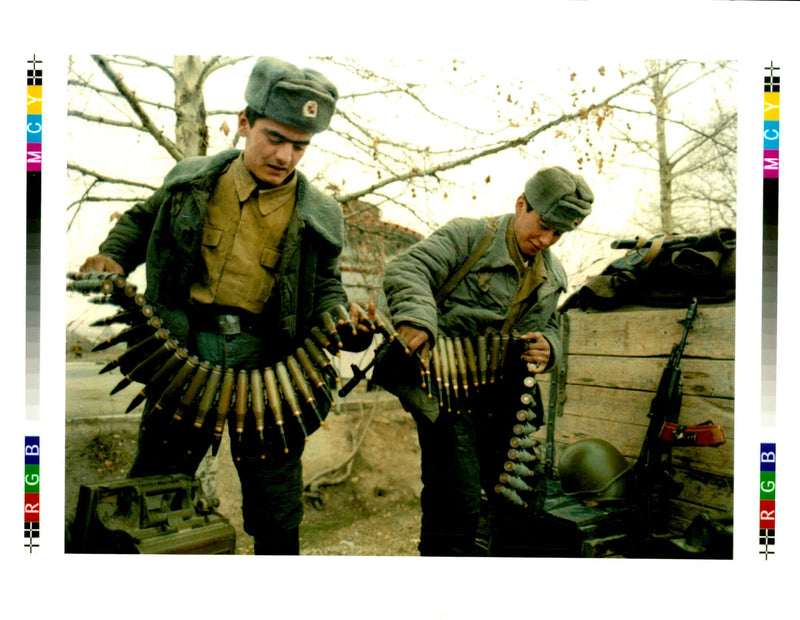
665	271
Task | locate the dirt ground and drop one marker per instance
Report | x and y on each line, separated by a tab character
361	471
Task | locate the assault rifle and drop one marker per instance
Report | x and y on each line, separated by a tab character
653	470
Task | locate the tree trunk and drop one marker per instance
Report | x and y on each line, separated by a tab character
664	165
191	129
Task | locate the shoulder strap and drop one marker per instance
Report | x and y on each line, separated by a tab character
479	250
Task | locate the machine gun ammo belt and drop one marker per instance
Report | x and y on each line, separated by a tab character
191	396
485	374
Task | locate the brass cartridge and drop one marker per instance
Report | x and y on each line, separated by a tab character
275	402
302	386
160	377
482	359
443	358
171	393
136	353
196	384
257	400
290	395
472	362
329	326
437	370
343	315
323	341
461	365
518	469
494	357
209	394
451	365
524	429
510	495
314	374
223	407
514	482
521	455
134	332
319	358
523	442
363	317
144	369
242	401
525	415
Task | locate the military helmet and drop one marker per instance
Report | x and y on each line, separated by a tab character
593	469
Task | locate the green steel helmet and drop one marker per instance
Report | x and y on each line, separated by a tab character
593	469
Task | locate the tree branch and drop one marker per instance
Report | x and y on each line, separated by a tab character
519	141
143	63
133	102
103	120
102	178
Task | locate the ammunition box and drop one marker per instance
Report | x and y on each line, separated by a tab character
154	515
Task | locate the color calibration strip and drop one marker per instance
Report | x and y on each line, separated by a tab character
33	276
32	493
769	305
769	283
766	500
33	238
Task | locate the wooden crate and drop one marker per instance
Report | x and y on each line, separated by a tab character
612	368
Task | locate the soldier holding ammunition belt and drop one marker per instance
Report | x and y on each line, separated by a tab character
514	286
241	254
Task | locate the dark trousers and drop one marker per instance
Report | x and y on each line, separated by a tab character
461	455
271	481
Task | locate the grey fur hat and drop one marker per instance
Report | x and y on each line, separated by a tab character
300	98
562	199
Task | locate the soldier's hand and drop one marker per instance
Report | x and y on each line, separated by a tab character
102	263
415	338
536	351
356	326
364	320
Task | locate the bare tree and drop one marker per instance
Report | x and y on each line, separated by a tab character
694	158
390	166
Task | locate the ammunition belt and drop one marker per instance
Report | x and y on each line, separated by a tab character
192	395
196	397
486	373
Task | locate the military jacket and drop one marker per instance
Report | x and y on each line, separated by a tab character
482	299
166	232
484	296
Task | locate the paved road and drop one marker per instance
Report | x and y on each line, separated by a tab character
88	393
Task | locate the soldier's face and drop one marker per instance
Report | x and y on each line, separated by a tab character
272	150
533	235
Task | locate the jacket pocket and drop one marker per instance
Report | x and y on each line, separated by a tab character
211	236
270	257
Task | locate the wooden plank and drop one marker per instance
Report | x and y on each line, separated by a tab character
620	417
614	366
628	438
701	377
653	331
708	491
686	507
632	406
